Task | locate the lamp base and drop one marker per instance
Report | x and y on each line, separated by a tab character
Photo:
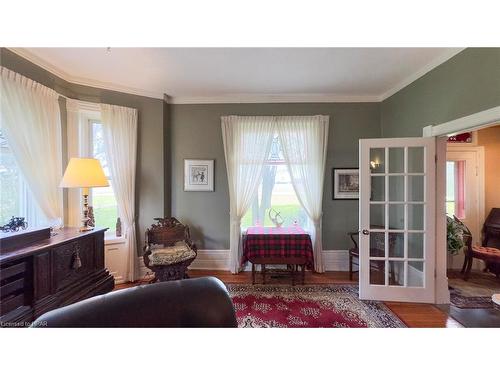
85	227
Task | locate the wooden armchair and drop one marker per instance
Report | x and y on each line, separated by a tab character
490	255
168	250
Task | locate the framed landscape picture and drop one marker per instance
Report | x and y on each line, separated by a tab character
345	183
198	175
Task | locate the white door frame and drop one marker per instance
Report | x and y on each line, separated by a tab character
479	151
472	122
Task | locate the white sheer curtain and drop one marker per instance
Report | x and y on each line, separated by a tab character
247	141
120	136
304	140
31	120
74	218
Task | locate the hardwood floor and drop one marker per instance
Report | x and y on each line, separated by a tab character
414	315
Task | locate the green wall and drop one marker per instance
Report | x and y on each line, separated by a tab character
169	133
150	160
467	83
195	131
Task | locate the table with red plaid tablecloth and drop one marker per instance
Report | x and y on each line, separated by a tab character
273	242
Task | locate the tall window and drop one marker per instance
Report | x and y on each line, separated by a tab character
455	188
16	198
103	198
275	192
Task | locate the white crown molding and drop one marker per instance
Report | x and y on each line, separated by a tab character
475	121
426	69
238	98
273	98
24	53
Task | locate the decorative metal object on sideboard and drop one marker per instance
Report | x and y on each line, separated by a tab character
14	224
118	227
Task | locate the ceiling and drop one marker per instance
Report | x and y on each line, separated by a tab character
211	75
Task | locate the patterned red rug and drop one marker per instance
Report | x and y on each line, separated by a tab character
307	306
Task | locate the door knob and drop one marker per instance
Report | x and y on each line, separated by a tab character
365	232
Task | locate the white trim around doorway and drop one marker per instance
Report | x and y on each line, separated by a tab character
472	122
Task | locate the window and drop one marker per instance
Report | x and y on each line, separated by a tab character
455	188
103	198
275	192
16	198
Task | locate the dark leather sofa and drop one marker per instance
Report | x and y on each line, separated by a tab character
200	302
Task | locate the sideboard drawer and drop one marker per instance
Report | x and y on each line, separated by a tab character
72	261
12	270
12	283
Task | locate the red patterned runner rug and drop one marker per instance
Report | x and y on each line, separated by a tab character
265	306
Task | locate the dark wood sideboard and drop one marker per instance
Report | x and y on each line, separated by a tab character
49	273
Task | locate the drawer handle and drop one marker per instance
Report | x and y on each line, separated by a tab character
77	262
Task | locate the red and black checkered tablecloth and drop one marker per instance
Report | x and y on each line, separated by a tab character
267	242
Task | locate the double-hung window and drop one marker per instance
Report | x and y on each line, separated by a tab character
455	188
102	199
276	193
16	198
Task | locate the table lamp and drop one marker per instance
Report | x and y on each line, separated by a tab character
84	173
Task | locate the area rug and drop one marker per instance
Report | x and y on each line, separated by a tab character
458	299
479	284
266	306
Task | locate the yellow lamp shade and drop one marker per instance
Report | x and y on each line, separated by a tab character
83	173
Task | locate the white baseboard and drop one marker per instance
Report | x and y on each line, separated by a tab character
118	278
334	260
211	260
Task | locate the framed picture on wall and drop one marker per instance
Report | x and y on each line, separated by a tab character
345	183
198	175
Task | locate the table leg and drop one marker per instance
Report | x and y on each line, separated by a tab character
303	274
263	268
293	274
253	273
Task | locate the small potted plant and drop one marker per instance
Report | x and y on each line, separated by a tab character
455	233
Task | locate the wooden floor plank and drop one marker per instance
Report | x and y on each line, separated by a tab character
414	315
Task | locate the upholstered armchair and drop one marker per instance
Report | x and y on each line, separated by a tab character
168	249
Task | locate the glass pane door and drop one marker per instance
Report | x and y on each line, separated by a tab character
397	219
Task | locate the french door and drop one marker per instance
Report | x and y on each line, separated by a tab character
397	219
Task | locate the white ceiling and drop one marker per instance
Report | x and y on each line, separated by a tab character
210	75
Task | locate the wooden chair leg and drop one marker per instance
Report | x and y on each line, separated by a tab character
253	273
304	274
263	268
466	258
293	274
469	266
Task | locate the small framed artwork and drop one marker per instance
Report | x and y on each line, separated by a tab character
345	183
198	175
